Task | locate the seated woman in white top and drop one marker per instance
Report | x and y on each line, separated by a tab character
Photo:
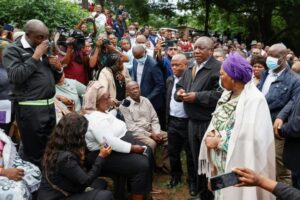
126	158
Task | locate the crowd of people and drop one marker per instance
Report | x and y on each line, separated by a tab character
104	99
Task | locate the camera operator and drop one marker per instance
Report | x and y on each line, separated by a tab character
100	53
76	60
82	26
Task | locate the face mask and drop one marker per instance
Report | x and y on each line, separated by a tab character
272	63
131	32
141	60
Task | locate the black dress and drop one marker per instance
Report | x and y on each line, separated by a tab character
69	177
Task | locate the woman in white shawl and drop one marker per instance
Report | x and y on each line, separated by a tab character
18	178
240	132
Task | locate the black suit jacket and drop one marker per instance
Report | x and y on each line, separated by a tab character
206	86
152	83
169	87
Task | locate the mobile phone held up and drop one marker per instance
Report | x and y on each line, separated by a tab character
105	142
224	180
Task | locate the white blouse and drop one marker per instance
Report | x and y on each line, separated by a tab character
105	125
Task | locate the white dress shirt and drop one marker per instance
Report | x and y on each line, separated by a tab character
269	80
198	67
105	125
139	72
176	108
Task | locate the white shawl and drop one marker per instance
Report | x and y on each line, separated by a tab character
251	145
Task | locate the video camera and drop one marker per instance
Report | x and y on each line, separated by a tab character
65	33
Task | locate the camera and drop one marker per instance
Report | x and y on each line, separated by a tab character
51	48
65	33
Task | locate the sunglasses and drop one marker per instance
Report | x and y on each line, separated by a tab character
173	49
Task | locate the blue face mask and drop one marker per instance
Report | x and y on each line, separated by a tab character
272	63
141	60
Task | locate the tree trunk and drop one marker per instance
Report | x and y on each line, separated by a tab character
207	12
85	4
101	2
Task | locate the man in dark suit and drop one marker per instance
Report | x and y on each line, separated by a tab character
149	77
198	89
177	121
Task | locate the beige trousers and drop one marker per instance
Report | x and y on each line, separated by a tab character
282	173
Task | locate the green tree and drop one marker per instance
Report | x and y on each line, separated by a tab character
53	13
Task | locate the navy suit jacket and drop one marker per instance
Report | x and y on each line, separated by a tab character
152	82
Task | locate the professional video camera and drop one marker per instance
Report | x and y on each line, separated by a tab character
65	33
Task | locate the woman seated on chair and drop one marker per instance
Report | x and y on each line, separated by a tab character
18	178
126	159
63	175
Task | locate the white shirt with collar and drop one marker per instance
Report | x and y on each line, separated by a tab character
199	67
272	76
26	45
139	72
176	108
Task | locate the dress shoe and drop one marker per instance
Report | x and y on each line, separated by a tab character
193	189
174	182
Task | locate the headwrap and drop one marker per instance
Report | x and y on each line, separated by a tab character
94	91
237	67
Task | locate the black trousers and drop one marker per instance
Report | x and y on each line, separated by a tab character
137	168
95	194
197	130
35	124
177	141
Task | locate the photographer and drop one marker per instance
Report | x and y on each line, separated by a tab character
76	59
100	53
82	26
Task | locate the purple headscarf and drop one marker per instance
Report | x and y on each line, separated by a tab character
237	67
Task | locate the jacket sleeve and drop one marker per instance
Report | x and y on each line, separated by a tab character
286	110
286	192
209	98
291	129
18	70
158	81
70	168
180	85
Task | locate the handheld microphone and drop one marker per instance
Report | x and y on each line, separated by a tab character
124	102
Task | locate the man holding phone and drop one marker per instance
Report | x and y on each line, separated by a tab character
33	76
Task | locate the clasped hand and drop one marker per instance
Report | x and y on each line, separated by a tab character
212	139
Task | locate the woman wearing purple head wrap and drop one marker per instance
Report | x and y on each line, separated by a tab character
240	132
238	68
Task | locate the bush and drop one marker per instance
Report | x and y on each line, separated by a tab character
52	12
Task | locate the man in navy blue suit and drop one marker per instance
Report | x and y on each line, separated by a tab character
150	78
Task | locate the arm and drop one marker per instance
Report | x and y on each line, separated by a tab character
68	57
131	126
280	190
286	111
291	129
209	98
78	26
80	88
95	29
70	168
18	71
95	57
155	126
158	81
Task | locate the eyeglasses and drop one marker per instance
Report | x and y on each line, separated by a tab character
173	49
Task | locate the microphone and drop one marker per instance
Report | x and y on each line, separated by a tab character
124	102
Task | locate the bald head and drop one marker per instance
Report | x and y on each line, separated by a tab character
36	32
179	64
205	41
203	49
138	51
141	39
180	58
35	25
277	50
133	90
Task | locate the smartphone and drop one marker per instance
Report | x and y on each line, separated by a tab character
105	142
224	180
